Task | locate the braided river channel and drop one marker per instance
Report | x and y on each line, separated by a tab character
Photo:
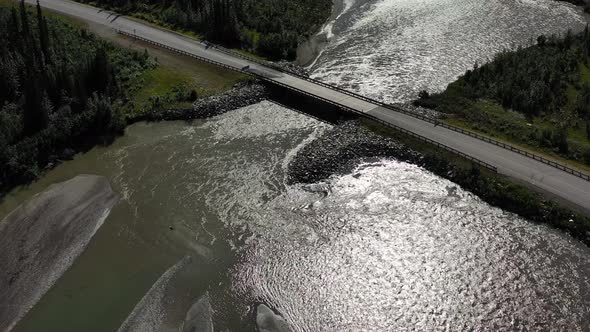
388	247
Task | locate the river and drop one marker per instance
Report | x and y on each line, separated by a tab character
392	49
388	247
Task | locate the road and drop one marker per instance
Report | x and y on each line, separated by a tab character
564	186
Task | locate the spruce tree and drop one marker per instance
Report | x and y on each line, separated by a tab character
35	117
100	72
43	33
26	29
14	26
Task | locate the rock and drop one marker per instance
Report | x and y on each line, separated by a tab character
42	238
67	154
340	149
199	316
423	111
291	67
268	321
241	95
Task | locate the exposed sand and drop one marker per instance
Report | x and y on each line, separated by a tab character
168	307
268	321
199	317
42	238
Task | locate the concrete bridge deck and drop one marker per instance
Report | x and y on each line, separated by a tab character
559	183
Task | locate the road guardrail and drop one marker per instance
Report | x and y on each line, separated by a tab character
369	100
503	145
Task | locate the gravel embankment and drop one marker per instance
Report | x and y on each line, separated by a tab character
241	95
341	149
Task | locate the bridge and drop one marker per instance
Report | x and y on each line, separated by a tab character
563	183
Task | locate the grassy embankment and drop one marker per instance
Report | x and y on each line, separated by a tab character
495	189
171	83
497	113
537	98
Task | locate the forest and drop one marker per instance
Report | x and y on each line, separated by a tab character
271	28
61	89
538	96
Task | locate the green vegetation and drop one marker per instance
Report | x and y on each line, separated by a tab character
538	97
494	189
164	85
60	88
271	28
176	83
63	90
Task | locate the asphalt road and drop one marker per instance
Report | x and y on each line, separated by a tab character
562	185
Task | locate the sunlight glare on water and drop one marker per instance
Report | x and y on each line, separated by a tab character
395	248
392	49
389	247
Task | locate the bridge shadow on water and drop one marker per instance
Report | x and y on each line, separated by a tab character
308	105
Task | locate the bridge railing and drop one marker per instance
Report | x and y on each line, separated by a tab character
398	109
519	151
372	101
203	59
391	125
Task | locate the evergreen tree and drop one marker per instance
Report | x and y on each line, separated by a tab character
100	72
238	23
14	23
26	30
43	33
35	117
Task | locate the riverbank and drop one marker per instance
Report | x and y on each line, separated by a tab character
164	91
535	97
240	95
170	175
145	79
63	90
348	144
42	238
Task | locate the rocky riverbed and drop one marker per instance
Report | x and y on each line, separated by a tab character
341	149
42	238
